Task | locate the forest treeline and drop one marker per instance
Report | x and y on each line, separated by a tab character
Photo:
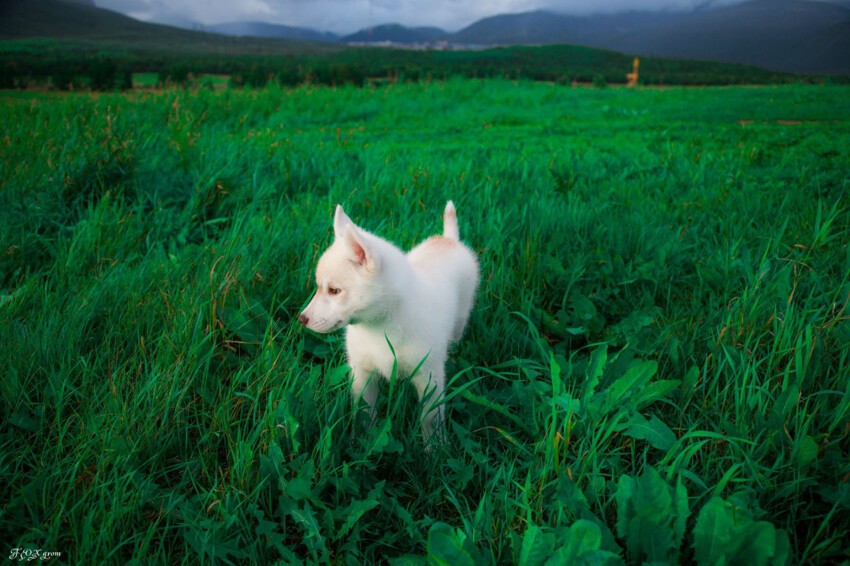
113	70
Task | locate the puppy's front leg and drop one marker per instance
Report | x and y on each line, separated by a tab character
430	383
364	385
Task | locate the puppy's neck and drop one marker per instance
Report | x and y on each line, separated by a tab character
397	282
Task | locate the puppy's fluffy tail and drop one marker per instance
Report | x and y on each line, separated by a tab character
450	230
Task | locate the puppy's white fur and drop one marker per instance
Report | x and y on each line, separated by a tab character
419	302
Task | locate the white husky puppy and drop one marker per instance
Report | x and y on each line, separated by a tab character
415	304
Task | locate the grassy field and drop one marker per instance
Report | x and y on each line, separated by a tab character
656	369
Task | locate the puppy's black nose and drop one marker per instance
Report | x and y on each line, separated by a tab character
303	319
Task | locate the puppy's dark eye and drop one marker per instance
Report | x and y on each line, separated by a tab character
334	290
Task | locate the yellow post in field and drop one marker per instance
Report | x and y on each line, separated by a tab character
633	76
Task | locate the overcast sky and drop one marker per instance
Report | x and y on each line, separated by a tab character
348	16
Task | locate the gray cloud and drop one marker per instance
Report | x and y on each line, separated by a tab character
346	16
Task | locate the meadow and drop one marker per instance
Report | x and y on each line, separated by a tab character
656	369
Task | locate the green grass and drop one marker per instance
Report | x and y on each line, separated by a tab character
145	80
656	368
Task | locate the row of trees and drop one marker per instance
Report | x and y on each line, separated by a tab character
98	73
106	74
355	66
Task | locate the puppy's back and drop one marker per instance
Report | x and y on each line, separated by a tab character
450	270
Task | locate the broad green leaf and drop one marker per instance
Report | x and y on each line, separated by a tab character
463	472
537	546
357	509
211	541
625	500
581	545
582	307
647	517
298	488
555	372
306	517
271	532
726	534
24	421
583	537
381	439
683	511
782	550
654	431
574	502
594	369
266	528
655	391
787	401
276	454
567	403
751	543
621	391
447	546
805	451
654	540
756	544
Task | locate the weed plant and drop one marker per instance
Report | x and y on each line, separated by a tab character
656	369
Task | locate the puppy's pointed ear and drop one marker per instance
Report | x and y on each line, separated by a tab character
341	220
360	253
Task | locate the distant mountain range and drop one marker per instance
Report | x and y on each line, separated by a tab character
396	33
278	31
81	20
392	33
786	35
800	36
